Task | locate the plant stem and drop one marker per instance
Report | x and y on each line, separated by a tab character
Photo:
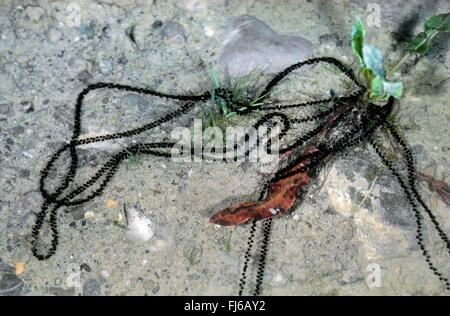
390	72
428	38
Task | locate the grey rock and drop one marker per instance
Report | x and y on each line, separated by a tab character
155	289
131	100
77	213
419	152
4	108
4	267
174	32
17	130
58	291
63	115
326	38
91	288
250	43
11	285
87	30
77	62
84	76
395	210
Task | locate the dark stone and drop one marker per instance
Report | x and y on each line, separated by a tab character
11	285
155	289
24	173
77	213
84	76
85	267
122	60
28	106
17	130
91	288
157	24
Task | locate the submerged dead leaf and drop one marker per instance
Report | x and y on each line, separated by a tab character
20	267
110	203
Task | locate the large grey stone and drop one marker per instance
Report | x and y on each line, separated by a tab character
250	43
91	288
10	285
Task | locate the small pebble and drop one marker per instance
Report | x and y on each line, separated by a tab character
105	274
156	289
84	76
91	288
85	267
174	32
148	285
89	214
27	154
28	106
105	66
157	24
4	108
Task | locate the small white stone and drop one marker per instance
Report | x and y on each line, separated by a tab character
89	214
139	226
27	154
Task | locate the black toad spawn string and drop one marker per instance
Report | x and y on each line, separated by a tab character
66	196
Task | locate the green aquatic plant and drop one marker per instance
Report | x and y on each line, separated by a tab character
227	238
135	158
375	75
193	255
225	105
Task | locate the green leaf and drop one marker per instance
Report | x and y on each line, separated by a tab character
382	88
373	59
394	89
358	34
214	76
376	87
439	22
419	44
